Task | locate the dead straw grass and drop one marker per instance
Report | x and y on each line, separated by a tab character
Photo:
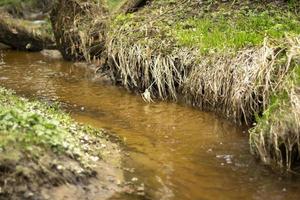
79	28
276	138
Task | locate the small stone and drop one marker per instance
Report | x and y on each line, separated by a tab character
141	193
59	167
111	179
119	182
141	188
28	46
134	179
82	108
284	190
28	194
94	158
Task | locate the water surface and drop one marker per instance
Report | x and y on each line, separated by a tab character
177	152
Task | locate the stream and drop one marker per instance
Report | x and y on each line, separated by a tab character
177	152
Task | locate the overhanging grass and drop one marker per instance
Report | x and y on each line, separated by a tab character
276	138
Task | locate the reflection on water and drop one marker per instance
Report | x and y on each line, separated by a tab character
178	152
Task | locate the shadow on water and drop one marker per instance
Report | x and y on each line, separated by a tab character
177	152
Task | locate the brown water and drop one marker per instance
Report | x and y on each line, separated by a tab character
178	152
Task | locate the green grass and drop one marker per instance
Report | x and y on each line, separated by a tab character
35	128
235	30
42	147
113	4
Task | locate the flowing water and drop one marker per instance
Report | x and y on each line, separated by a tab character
177	152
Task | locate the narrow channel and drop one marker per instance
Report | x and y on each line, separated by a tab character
177	152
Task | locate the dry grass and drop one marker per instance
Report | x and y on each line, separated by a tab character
79	28
276	138
238	85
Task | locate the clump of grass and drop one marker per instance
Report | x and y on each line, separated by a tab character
276	137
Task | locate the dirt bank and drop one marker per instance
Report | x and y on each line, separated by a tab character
46	155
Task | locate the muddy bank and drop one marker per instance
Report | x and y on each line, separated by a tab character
216	57
46	155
